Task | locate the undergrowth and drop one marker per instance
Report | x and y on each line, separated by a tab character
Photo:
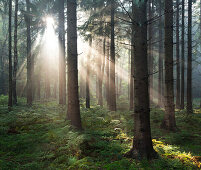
38	137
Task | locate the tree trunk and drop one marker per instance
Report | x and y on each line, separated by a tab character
112	106
169	122
29	59
189	66
10	100
88	75
107	80
150	54
160	58
178	94
183	58
73	112
142	142
62	62
131	107
15	54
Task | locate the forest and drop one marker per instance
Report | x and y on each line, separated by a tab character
100	84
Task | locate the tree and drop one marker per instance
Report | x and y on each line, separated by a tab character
131	106
183	58
62	62
15	54
73	112
178	95
112	105
10	96
29	59
169	122
189	65
160	82
142	142
88	74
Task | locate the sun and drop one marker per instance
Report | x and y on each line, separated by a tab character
49	21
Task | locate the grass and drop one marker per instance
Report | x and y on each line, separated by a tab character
37	137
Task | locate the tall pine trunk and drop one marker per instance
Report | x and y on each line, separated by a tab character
29	59
88	74
10	96
112	106
15	54
150	53
131	106
73	111
62	62
189	66
178	94
107	70
142	142
160	83
182	56
169	122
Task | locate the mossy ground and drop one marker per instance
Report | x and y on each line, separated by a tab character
38	137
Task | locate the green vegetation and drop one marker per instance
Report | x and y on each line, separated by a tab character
37	137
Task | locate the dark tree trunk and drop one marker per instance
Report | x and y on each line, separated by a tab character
178	94
189	66
15	54
142	142
29	59
183	58
62	62
131	107
169	122
88	75
160	83
112	106
10	100
73	112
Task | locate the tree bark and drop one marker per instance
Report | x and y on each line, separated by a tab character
142	142
88	75
178	94
189	66
29	59
150	54
15	55
131	107
160	83
183	58
73	111
62	61
10	96
169	122
107	80
112	106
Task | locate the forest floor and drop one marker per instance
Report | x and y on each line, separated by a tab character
38	137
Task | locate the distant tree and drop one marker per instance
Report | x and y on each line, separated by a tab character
112	91
73	111
169	122
15	54
88	73
10	96
182	56
142	142
62	61
160	63
29	58
178	90
189	65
